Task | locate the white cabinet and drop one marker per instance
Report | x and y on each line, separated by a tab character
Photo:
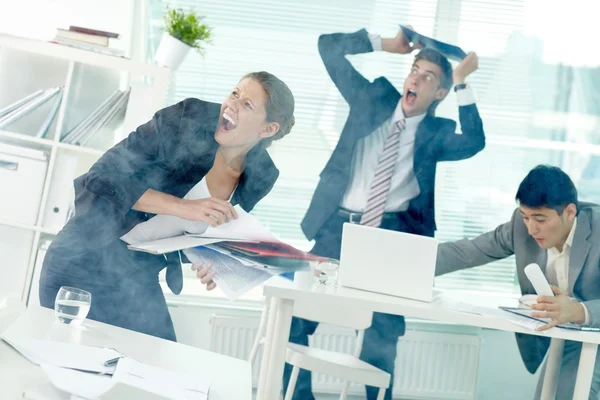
15	249
22	174
37	172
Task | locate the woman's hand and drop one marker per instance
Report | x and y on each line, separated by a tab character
211	210
206	274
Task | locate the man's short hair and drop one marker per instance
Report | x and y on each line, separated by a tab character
547	186
446	81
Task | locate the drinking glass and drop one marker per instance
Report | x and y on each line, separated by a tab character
72	305
326	271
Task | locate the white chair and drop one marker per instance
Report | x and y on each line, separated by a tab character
344	366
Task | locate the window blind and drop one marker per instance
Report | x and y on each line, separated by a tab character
516	91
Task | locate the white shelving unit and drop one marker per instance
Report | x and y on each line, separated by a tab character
87	78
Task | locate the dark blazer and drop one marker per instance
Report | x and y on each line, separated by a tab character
171	153
513	238
371	104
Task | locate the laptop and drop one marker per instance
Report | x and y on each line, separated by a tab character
389	262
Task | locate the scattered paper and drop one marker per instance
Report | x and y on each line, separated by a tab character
232	276
163	233
167	245
132	380
245	227
160	381
85	385
67	355
166	226
521	317
447	301
160	227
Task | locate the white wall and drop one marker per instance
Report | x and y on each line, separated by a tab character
39	18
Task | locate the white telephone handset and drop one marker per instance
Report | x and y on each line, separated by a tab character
538	280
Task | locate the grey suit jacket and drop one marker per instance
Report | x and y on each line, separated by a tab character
512	238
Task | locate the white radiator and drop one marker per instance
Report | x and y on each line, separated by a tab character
429	365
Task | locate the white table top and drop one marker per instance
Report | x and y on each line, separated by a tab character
306	288
229	378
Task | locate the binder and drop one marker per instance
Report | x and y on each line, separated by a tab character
29	107
105	119
452	52
79	130
51	115
14	106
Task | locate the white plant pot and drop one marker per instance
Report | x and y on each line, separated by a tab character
171	52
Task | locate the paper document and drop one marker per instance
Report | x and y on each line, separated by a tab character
162	382
243	252
232	275
168	226
167	245
524	317
3	303
245	227
132	380
74	356
447	301
81	384
165	233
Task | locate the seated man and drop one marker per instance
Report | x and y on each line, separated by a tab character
552	229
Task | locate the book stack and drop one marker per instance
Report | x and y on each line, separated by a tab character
31	102
88	39
100	117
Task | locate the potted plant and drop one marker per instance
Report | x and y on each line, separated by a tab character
183	31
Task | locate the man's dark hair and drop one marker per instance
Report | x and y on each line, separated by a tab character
547	186
435	57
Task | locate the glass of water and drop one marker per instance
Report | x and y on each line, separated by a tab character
326	271
72	305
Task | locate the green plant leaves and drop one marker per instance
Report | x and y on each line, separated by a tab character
187	27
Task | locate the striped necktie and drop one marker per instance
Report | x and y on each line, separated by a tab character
380	186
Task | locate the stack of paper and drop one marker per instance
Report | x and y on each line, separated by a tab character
243	253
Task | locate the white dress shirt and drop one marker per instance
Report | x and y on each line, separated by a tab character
557	267
404	186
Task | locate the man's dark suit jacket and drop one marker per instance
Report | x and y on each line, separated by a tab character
171	153
371	104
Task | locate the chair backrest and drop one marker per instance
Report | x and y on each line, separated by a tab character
340	316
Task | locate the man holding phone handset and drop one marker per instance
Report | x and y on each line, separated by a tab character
550	228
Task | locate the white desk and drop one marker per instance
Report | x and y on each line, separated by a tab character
229	378
284	293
